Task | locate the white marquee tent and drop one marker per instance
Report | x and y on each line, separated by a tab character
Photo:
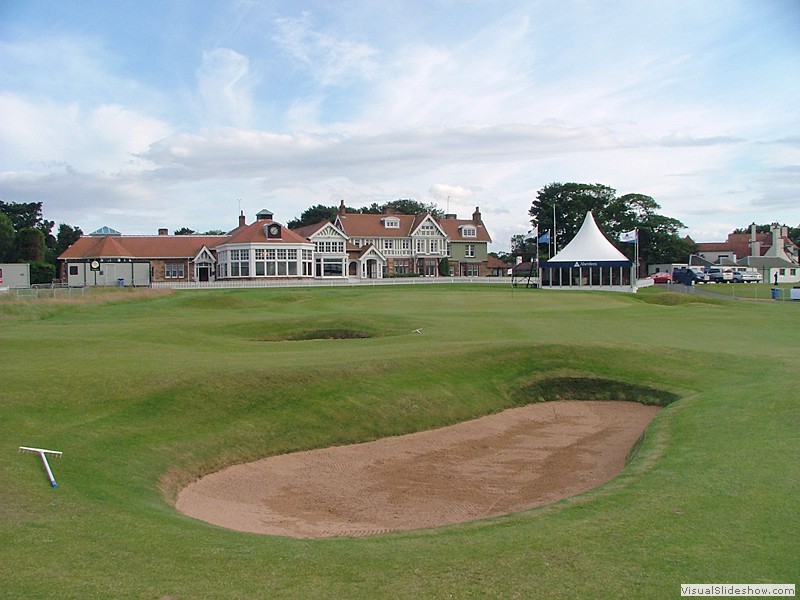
589	261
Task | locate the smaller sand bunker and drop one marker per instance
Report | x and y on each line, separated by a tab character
499	464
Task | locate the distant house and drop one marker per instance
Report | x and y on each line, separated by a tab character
497	267
418	244
354	246
773	254
468	245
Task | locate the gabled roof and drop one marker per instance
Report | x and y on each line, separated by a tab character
589	246
109	246
310	231
356	252
420	219
371	226
495	263
454	229
738	244
145	246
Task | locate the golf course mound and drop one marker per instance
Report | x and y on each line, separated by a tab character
499	464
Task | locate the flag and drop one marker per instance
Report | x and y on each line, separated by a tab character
531	235
629	237
545	239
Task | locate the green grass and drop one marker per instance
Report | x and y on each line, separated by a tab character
145	392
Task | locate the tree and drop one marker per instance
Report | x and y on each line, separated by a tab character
372	209
67	236
26	214
659	241
522	245
505	257
184	231
569	203
409	206
30	245
214	232
42	272
794	235
313	215
8	239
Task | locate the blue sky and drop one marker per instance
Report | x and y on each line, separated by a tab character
140	115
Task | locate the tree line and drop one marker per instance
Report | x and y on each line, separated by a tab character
27	237
403	206
559	209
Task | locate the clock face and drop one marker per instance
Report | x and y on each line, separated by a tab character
274	230
95	264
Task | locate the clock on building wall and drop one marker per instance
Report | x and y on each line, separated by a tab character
274	231
95	265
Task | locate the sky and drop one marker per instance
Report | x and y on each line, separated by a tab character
139	115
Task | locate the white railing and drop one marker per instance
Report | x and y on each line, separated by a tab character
343	282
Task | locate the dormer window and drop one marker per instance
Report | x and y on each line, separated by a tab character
391	223
468	231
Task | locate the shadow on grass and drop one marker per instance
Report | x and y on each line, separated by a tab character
592	388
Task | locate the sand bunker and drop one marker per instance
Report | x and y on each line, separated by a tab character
503	463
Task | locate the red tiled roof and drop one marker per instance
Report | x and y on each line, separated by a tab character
495	263
738	243
309	230
454	228
152	246
255	233
358	225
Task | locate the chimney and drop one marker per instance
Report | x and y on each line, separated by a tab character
450	216
476	216
342	209
242	221
755	247
163	231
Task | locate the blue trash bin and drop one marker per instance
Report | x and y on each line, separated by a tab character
776	293
120	283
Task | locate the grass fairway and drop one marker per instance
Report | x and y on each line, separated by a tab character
143	394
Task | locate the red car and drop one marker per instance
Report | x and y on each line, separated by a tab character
661	277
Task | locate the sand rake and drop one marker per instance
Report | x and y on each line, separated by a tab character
43	454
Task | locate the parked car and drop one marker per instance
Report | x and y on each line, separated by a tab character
718	275
661	277
688	276
747	277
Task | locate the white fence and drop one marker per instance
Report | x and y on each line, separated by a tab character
287	283
51	291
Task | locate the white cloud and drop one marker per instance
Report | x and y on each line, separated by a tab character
102	138
225	88
331	61
443	192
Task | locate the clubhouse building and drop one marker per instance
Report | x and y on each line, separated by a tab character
360	246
